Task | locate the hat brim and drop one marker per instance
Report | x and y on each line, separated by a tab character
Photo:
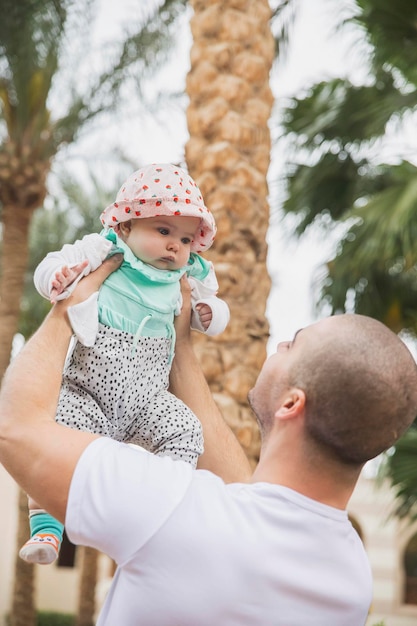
124	211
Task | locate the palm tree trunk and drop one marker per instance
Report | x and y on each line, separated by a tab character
23	607
228	154
88	582
15	252
15	249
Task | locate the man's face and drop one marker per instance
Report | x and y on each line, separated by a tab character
275	377
273	381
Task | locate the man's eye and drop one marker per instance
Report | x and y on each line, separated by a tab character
164	231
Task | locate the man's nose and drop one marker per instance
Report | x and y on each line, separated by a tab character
283	344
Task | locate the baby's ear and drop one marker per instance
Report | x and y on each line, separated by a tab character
124	228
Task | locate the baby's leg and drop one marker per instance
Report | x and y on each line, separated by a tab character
167	427
46	536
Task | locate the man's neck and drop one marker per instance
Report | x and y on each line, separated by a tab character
331	484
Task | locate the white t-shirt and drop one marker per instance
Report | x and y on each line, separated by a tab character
192	551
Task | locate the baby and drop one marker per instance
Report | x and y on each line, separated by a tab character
116	378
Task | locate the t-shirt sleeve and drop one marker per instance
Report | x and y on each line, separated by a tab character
121	495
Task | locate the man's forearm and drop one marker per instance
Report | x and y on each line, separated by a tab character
223	454
31	384
28	400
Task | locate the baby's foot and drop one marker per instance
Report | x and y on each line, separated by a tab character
42	548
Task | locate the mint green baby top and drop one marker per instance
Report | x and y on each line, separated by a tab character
140	299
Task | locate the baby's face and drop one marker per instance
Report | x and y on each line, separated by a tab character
163	242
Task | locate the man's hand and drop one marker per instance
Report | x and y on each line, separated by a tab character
183	320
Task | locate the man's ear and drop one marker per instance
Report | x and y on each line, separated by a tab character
292	405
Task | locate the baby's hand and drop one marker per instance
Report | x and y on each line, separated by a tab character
64	278
205	314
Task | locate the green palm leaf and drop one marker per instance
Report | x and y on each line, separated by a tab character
392	30
400	468
377	257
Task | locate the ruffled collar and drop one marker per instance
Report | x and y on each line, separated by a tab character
152	273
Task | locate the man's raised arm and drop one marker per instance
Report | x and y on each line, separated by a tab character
40	454
223	455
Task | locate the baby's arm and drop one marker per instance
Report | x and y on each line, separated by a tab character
219	314
210	314
59	272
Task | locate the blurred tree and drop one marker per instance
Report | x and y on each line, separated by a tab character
336	174
86	601
228	153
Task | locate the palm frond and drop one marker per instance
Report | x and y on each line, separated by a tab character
375	269
392	30
339	111
399	466
325	188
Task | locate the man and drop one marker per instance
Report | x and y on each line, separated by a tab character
192	550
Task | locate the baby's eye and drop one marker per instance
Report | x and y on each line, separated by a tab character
186	240
163	231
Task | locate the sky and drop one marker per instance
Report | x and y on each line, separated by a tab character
316	53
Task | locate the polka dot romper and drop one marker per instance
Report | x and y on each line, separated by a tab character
119	390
